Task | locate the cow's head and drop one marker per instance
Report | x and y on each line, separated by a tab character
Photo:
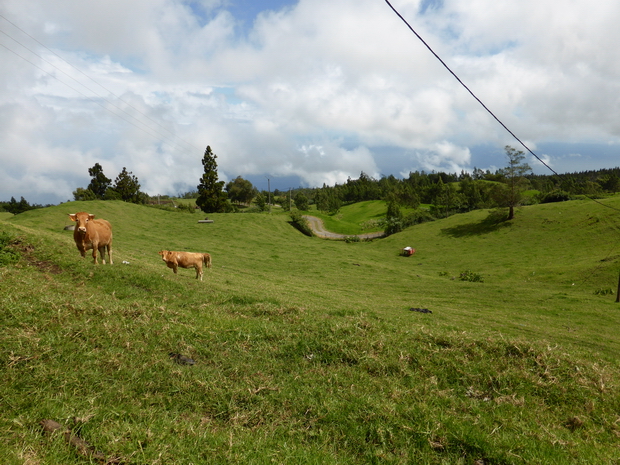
81	219
164	254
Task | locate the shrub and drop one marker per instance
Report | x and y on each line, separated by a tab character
420	215
555	196
299	222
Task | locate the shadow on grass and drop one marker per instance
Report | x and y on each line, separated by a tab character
494	222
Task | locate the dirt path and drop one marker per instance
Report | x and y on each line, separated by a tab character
318	228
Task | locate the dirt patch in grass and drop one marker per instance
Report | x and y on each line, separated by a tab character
27	252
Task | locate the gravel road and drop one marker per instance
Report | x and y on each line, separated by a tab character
318	228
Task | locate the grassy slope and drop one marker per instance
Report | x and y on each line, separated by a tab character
306	349
351	218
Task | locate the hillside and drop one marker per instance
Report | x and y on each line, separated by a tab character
306	350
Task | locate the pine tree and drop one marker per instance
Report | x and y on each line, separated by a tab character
211	196
127	187
99	182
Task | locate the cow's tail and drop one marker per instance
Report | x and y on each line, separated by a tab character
206	258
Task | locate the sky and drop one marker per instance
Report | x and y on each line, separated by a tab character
299	93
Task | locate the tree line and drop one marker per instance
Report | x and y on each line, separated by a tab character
441	193
15	207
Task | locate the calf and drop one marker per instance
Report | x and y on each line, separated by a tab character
90	233
186	260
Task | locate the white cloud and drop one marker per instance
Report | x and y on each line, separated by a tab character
315	89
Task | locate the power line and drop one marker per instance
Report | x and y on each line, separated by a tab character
480	101
467	88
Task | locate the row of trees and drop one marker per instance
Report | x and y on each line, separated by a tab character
15	207
445	193
455	193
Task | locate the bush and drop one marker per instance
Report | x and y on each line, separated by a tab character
555	196
299	222
418	216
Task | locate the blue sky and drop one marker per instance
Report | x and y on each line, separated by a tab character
248	10
304	93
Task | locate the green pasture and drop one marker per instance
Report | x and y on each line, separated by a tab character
307	351
357	218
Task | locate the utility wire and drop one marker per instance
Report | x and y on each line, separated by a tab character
480	101
467	88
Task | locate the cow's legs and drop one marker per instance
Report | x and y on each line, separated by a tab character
102	253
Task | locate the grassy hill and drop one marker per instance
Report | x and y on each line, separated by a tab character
357	218
306	350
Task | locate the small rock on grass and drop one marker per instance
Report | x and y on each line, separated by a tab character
420	310
181	359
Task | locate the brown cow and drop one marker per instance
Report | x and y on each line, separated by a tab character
90	233
186	260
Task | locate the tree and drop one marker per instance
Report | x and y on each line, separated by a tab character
240	190
15	207
514	178
260	201
83	194
472	198
211	197
407	196
393	218
321	200
301	201
99	183
327	200
127	187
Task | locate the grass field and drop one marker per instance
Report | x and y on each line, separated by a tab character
357	218
306	350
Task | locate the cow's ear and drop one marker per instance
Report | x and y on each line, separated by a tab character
73	216
91	216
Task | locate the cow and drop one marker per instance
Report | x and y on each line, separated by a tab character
90	233
186	260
